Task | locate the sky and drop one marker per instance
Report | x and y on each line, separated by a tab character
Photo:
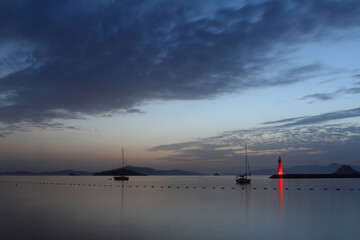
178	84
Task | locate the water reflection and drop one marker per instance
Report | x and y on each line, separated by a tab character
122	199
280	181
92	208
247	199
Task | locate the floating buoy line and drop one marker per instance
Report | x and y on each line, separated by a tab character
17	183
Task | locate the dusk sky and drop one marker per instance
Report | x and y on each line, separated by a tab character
178	84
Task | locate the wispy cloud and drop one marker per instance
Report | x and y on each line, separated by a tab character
300	139
69	59
26	127
343	114
320	96
287	120
333	95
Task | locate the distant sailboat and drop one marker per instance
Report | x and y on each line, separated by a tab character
246	177
122	177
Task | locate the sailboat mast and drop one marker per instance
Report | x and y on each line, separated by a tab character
247	166
123	157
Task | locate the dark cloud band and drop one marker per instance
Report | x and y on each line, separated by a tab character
76	58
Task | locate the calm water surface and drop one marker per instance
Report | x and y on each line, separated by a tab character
206	207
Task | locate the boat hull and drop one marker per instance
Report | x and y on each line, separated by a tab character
243	180
121	178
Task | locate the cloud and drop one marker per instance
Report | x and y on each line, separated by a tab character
134	110
320	96
304	139
333	95
354	90
287	120
325	117
26	127
69	59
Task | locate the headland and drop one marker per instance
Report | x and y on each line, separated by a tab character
344	171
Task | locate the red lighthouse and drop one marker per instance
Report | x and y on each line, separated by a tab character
280	172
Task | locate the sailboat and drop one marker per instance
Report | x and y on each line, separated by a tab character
246	177
122	177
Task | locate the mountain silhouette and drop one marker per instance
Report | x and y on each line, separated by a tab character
346	169
55	173
119	171
305	169
155	172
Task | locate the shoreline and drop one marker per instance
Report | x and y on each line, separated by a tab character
315	176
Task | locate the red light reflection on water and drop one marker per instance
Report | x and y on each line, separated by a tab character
280	180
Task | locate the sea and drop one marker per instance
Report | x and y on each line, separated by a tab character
178	207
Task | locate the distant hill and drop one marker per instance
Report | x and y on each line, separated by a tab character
128	171
343	172
19	173
314	169
66	173
305	169
55	173
154	172
144	171
345	169
119	171
141	171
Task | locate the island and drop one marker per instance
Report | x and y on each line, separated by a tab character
145	171
344	171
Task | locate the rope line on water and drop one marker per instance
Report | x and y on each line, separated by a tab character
17	183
